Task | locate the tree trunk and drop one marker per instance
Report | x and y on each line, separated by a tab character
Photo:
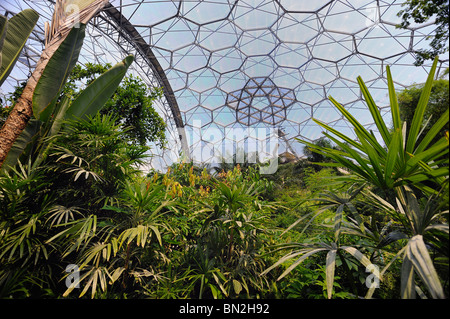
22	111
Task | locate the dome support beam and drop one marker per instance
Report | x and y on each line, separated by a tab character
111	15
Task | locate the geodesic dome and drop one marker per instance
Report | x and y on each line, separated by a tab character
230	68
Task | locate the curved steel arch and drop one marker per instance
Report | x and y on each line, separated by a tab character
111	15
114	26
203	51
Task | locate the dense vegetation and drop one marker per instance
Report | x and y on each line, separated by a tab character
358	218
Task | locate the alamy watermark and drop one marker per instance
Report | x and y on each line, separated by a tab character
73	277
373	280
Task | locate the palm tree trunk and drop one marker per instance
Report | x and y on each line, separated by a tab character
22	111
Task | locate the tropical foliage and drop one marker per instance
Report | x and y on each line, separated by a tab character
405	184
13	35
360	217
132	101
63	23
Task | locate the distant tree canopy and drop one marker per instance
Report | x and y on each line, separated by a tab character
314	157
421	11
437	105
132	103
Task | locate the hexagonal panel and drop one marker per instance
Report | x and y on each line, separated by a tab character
308	6
274	60
203	80
331	46
173	34
343	91
226	60
310	93
360	65
150	13
297	27
287	78
350	17
205	12
257	42
212	99
290	55
383	41
255	14
218	36
190	58
224	116
258	66
320	72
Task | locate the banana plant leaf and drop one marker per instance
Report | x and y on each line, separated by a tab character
92	99
15	33
56	73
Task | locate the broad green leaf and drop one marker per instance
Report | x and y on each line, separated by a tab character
18	29
50	129
338	155
407	284
295	223
218	273
392	157
413	209
94	253
395	110
392	237
92	99
156	232
311	220
214	291
363	170
379	122
391	262
358	255
56	72
374	159
436	151
440	123
438	227
3	28
418	254
338	221
420	292
417	120
283	259
116	274
358	126
59	114
338	134
356	216
437	174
